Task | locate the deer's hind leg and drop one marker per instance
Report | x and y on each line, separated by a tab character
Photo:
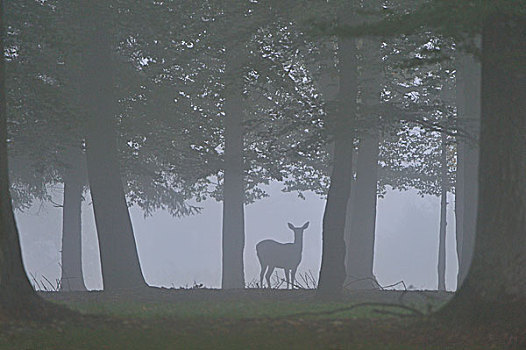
262	274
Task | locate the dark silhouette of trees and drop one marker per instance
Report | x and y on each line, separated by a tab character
394	106
119	257
361	216
341	124
466	185
494	285
270	124
169	149
493	282
43	123
238	105
444	188
72	278
497	271
419	153
233	272
43	135
17	297
361	209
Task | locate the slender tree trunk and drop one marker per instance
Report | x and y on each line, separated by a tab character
466	191
233	274
443	216
74	180
459	207
498	275
17	297
362	223
119	258
332	272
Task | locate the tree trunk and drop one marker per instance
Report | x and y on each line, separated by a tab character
498	275
118	252
443	216
17	297
466	188
233	274
74	180
362	212
460	201
362	218
332	272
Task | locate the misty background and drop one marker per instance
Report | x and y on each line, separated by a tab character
185	251
176	145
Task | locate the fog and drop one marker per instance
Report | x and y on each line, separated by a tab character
183	252
262	174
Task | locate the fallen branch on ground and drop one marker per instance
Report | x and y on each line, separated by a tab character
415	312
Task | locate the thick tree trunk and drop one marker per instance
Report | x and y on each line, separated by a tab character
362	219
332	272
361	225
466	188
17	297
74	180
498	274
118	252
233	273
441	266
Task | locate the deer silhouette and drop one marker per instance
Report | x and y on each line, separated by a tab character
272	254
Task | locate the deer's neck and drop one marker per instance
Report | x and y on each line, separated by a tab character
298	241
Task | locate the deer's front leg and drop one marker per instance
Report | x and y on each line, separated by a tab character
292	277
287	278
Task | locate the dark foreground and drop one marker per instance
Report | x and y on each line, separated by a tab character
255	319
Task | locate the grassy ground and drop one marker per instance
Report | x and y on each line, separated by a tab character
254	319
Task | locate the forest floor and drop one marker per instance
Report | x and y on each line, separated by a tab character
157	318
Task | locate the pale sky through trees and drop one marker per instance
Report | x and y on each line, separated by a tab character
176	252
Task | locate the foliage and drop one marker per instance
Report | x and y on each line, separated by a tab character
170	84
420	102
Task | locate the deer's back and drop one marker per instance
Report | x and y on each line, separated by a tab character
278	254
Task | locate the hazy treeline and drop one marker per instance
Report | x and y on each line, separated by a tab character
166	104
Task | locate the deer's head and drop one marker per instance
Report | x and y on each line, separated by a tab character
299	230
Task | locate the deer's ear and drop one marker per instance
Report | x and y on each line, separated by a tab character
306	225
291	226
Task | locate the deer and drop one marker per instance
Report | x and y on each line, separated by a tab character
272	254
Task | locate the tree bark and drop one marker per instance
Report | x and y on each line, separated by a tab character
361	223
72	277
17	297
460	201
466	188
332	272
119	259
233	274
441	266
498	275
361	218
